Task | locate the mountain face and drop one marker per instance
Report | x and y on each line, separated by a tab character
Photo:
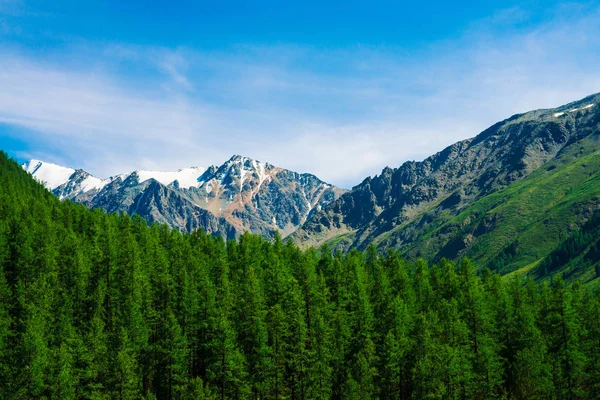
240	195
505	197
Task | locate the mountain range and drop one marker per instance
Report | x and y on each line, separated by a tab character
507	198
240	195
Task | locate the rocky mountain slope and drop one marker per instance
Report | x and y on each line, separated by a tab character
517	188
240	195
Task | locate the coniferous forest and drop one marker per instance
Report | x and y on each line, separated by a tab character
98	306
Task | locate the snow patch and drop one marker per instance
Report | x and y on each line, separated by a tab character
243	173
187	177
121	176
307	203
50	175
582	108
558	114
91	183
261	171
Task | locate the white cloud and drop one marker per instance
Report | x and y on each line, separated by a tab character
341	114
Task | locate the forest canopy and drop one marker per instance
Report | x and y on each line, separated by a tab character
99	306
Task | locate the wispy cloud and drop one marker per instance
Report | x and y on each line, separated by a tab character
341	114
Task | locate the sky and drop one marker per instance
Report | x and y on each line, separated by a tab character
339	89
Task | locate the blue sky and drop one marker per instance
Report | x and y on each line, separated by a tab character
340	89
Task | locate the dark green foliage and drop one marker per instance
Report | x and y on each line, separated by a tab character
505	257
575	254
97	306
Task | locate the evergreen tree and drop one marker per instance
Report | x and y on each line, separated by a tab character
487	363
562	331
226	365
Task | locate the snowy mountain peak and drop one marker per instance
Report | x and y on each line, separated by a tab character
65	182
50	175
238	174
246	163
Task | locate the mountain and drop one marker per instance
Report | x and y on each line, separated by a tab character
241	195
505	198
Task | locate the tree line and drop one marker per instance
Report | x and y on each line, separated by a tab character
578	252
98	306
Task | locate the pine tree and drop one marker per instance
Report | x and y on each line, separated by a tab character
527	373
588	311
226	366
487	364
562	330
428	369
397	347
252	332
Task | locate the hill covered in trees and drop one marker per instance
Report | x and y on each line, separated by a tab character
99	306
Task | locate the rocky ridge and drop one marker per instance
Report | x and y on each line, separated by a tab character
240	195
